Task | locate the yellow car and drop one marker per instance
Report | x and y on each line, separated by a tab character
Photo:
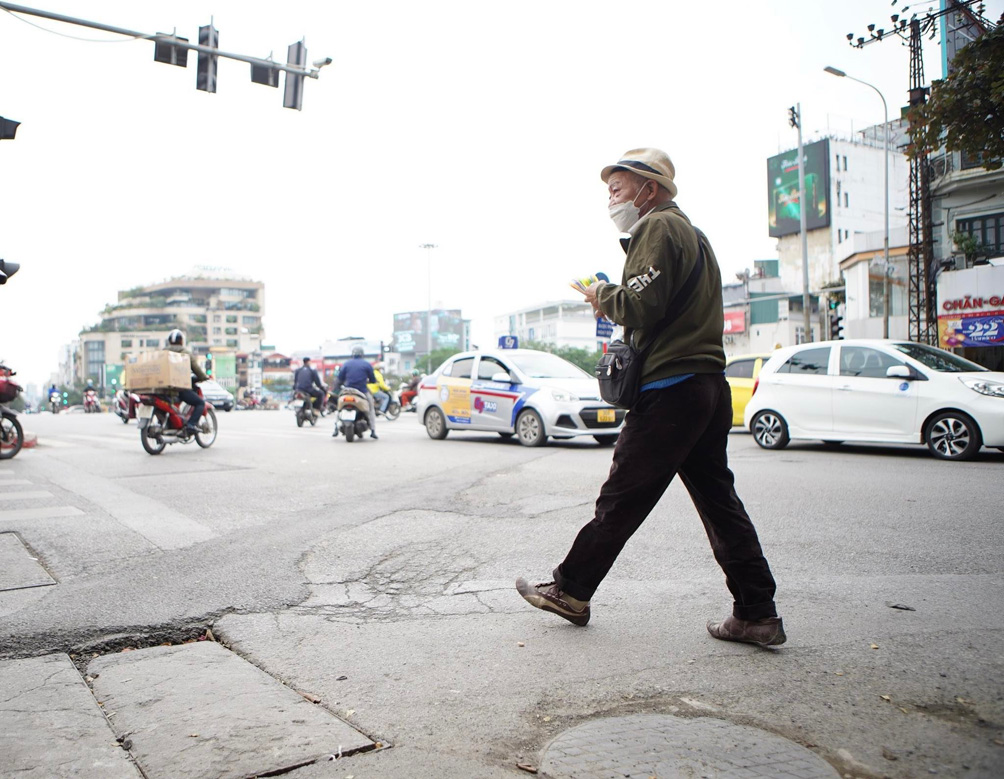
741	372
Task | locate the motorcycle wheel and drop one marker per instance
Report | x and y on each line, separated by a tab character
299	419
208	438
11	437
393	410
350	432
313	419
125	420
151	443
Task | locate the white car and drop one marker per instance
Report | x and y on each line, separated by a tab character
520	392
881	391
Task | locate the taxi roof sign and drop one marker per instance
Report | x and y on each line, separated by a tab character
508	342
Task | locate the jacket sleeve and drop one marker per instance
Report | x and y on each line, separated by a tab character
200	374
651	276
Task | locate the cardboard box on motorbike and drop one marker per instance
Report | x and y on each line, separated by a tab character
158	371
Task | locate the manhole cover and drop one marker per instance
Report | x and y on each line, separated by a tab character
659	745
19	568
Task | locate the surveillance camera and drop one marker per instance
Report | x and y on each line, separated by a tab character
322	63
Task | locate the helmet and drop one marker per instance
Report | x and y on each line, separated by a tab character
415	372
378	365
176	338
357	351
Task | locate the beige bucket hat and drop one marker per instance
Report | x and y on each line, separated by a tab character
651	163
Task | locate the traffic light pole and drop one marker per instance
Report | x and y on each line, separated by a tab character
169	40
806	301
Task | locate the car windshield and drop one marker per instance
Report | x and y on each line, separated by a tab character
541	365
937	359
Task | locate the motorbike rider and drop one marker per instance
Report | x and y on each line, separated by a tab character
307	380
356	373
176	343
409	393
379	389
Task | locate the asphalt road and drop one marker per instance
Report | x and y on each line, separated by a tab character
391	562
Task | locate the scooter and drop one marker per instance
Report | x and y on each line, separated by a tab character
91	405
11	433
162	422
353	413
393	408
303	404
124	405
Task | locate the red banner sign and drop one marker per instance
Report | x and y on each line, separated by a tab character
735	322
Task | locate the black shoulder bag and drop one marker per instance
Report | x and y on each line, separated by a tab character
619	369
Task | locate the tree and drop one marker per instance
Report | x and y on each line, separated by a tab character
436	358
967	108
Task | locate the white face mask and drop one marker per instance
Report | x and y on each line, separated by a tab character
625	215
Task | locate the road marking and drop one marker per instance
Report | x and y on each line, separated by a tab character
9	482
50	512
160	525
6	473
24	495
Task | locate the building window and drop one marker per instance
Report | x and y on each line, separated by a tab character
846	235
838	162
127	343
217	331
232	342
249	320
94	353
840	237
153	342
231	319
845	163
987	230
847	200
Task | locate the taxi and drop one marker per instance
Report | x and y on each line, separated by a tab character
525	393
742	372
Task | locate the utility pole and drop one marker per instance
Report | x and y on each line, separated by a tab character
428	308
923	318
795	120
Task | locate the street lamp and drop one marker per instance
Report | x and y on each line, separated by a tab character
886	270
428	308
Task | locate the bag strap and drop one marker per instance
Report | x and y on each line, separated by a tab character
685	291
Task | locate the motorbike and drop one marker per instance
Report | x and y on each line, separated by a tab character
91	405
393	408
11	433
303	404
124	405
162	422
353	413
55	402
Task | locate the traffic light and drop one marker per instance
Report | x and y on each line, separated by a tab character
209	365
8	127
836	328
66	398
7	269
293	96
206	77
165	51
793	118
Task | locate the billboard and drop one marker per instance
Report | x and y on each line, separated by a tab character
410	331
971	307
782	190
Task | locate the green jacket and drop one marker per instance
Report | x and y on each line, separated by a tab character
660	255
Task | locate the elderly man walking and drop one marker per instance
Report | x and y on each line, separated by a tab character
670	300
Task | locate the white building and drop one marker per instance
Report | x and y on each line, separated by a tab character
557	322
855	188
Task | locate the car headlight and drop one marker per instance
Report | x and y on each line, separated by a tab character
994	389
563	397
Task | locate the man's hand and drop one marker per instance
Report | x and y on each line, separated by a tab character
590	295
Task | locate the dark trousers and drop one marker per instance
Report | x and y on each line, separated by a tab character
318	396
191	397
680	429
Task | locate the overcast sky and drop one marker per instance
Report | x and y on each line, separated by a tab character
477	126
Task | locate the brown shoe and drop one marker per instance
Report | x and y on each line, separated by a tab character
762	632
548	597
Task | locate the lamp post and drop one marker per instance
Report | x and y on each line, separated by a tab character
885	251
428	308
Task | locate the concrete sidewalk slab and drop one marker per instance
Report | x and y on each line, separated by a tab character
198	710
18	568
51	726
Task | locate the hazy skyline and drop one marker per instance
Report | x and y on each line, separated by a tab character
480	128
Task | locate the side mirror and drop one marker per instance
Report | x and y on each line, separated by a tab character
504	378
899	372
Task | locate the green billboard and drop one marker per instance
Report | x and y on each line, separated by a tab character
782	190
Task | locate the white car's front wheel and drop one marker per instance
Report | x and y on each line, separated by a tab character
530	429
951	435
435	424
